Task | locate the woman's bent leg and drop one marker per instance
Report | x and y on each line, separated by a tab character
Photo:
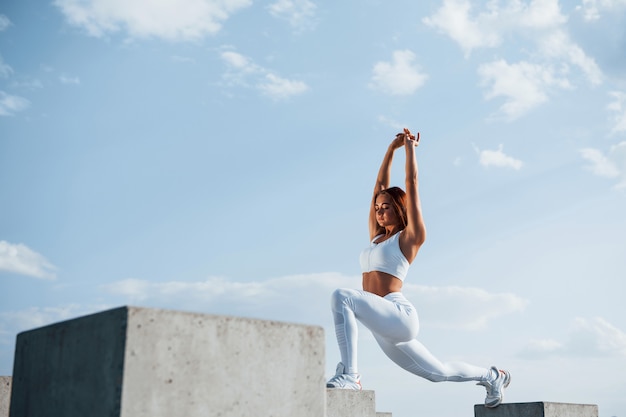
391	316
415	358
346	329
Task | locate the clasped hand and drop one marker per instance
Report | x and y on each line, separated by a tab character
406	138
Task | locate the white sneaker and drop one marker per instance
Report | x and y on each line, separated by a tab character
344	381
495	389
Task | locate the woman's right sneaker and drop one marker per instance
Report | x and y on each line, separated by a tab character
495	389
344	381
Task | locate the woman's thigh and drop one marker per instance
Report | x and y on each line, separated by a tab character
396	321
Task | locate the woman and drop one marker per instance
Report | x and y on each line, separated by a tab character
397	232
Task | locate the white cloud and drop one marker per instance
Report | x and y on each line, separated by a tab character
557	44
587	338
12	322
537	349
10	104
65	79
400	77
27	83
4	23
498	159
466	308
469	308
218	295
175	20
591	8
34	317
600	164
242	69
5	69
611	165
487	29
299	13
453	20
281	88
618	107
596	337
523	85
20	259
538	14
240	62
394	124
617	153
535	26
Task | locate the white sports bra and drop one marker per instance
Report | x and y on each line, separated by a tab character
385	257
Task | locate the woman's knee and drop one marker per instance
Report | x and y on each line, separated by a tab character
339	297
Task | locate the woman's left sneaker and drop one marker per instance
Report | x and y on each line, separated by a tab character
344	381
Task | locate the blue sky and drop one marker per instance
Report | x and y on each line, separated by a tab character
218	156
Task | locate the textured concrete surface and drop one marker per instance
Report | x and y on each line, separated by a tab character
5	395
348	403
138	362
537	409
72	368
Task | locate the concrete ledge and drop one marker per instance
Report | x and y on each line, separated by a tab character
5	395
537	409
138	362
349	403
382	414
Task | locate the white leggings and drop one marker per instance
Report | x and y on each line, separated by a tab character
393	322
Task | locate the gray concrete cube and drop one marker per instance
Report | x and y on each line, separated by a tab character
139	362
5	395
349	403
537	409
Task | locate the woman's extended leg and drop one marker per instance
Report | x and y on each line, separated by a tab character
415	358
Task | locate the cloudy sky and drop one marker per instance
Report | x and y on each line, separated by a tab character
218	156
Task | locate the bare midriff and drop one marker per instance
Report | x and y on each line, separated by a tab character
381	283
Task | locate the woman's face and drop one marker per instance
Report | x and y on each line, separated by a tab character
385	214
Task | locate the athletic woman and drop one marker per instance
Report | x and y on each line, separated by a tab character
397	232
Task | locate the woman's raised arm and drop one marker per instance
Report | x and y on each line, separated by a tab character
414	234
382	180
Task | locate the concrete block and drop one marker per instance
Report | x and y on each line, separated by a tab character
5	395
139	362
537	409
348	403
